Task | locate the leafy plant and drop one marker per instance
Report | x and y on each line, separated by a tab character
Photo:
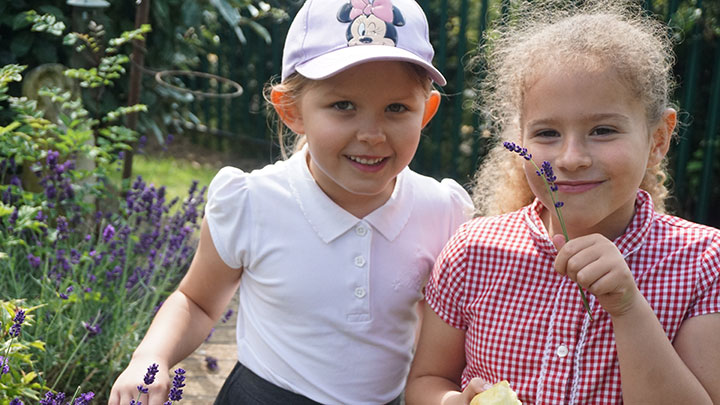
91	262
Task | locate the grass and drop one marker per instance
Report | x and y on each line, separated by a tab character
176	174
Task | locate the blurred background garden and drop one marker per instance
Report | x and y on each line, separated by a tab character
114	116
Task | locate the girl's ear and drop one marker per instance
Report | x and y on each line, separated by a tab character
287	110
431	106
661	137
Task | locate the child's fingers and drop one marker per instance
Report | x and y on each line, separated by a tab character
474	387
573	255
559	241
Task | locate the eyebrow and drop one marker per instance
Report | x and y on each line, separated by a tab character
586	117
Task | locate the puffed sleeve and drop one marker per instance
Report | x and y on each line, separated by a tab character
463	208
708	299
445	291
228	214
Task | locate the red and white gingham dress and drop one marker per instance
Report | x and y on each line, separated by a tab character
525	323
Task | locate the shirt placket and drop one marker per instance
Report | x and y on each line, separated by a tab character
561	348
359	273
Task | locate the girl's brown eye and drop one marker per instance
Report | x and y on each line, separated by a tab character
603	131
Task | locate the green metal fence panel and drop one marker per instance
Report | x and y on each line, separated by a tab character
456	140
709	158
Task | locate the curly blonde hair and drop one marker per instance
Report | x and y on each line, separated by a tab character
596	34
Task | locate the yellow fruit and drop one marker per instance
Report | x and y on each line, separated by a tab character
498	394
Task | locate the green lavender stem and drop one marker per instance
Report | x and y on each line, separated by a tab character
565	235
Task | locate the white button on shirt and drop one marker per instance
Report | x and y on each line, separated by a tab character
562	351
311	269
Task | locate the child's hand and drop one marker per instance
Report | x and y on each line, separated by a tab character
125	387
595	263
474	387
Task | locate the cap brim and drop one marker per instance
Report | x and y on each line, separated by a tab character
334	62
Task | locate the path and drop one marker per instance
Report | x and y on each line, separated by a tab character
202	385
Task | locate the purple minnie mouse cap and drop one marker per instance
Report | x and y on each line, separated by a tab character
329	36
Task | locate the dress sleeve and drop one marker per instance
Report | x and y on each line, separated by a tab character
445	291
708	299
228	215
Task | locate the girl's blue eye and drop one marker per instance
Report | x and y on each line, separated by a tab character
396	108
343	106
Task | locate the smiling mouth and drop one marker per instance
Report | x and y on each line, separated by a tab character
366	161
576	187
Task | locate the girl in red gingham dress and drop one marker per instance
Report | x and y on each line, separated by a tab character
586	90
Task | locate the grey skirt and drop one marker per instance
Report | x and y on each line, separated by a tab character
243	387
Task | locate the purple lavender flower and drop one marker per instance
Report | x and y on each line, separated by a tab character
212	330
512	147
227	315
547	172
52	158
177	384
16	401
211	363
84	399
150	375
4	366
108	233
93	329
34	260
17	326
142	389
14	216
40	217
53	399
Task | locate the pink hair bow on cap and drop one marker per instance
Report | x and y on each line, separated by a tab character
381	9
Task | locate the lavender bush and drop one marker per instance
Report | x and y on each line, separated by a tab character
88	262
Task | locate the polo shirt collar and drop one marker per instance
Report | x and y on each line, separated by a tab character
329	220
627	243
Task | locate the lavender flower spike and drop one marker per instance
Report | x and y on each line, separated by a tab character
512	147
18	319
177	384
150	375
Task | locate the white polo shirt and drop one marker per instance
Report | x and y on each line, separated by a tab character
327	300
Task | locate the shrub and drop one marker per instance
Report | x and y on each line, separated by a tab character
88	262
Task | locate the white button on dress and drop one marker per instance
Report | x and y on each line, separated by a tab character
562	351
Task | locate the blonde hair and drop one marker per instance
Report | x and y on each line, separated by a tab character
294	86
599	34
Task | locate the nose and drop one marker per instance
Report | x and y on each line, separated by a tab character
575	154
371	133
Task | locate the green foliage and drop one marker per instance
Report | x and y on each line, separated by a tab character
90	261
18	354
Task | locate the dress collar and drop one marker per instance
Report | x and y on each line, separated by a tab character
628	243
329	220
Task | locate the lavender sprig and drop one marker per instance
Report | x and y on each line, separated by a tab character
549	178
177	384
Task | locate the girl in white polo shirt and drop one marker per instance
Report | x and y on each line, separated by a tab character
331	248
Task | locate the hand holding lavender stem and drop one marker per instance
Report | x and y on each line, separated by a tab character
549	178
